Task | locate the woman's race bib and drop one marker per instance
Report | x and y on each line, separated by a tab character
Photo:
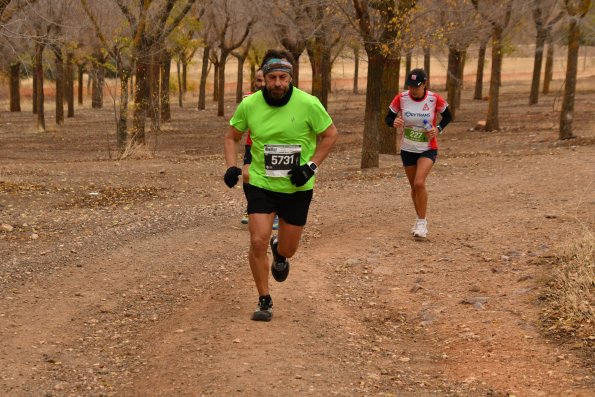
280	159
414	138
415	135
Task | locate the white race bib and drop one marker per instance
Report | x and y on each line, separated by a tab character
280	159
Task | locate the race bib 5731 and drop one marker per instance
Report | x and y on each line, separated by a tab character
280	159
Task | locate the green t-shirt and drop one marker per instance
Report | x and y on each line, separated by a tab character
282	137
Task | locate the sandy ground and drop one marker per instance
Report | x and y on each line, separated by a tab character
130	278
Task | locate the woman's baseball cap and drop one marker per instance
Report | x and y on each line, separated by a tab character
416	77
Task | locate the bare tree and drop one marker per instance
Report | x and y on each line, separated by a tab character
59	77
19	24
101	17
69	82
203	77
294	28
14	83
461	29
232	22
260	44
241	56
379	24
80	70
545	17
183	45
98	78
356	60
498	15
39	95
14	55
548	73
150	25
481	55
165	71
214	61
576	10
329	33
44	24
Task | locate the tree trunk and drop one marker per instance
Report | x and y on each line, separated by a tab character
320	59
216	82
567	110
89	80
165	75
180	86
492	122
252	72
69	80
15	85
122	129
81	71
40	97
35	85
549	65
427	56
295	79
373	113
315	65
221	83
539	46
478	94
240	80
461	78
154	89
407	65
141	100
355	70
390	87
203	78
59	77
97	85
453	82
184	76
326	76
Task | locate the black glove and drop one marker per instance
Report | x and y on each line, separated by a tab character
300	174
232	176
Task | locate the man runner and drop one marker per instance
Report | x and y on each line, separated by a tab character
284	124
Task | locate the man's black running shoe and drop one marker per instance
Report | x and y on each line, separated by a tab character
280	265
264	311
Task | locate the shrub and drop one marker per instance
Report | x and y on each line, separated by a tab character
570	294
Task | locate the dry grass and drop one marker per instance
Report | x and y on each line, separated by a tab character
570	294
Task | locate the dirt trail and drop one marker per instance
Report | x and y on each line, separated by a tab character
149	293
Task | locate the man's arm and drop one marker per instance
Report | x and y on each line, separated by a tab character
232	137
327	140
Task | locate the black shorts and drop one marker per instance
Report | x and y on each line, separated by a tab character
248	154
291	207
409	158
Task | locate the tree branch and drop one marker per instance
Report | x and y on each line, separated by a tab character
176	21
129	16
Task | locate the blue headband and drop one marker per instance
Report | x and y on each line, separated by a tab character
277	65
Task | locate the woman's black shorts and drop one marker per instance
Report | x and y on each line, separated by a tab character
291	207
409	158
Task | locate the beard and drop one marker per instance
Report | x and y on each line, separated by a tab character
277	92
